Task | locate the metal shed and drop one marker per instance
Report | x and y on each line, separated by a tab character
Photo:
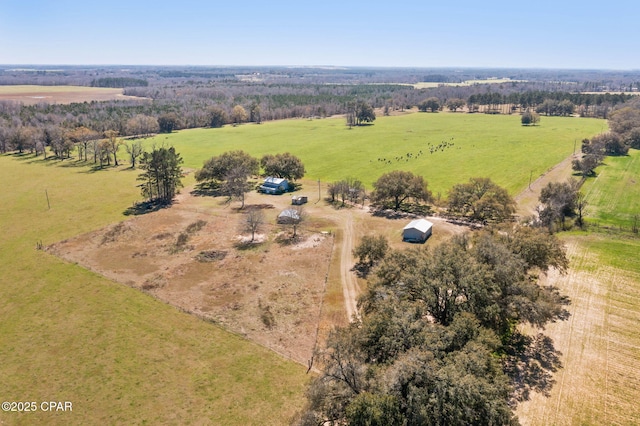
417	231
288	216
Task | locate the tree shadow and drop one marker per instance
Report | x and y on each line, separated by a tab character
530	362
407	211
71	163
339	204
144	207
97	168
294	186
287	239
248	245
391	214
207	189
362	270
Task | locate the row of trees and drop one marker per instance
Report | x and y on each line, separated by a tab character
479	200
438	341
624	133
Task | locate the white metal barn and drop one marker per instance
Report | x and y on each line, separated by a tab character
417	231
288	216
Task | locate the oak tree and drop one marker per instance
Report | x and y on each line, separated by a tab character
481	200
397	187
285	165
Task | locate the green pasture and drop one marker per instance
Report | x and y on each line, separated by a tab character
120	356
614	194
498	146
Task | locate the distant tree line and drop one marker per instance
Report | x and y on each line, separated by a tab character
179	103
119	82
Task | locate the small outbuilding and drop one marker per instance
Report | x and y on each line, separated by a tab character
289	216
273	185
299	200
417	231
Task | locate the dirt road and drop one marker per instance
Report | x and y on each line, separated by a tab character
350	288
527	200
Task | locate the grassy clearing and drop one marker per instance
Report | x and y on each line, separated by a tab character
427	85
614	195
120	356
495	146
601	348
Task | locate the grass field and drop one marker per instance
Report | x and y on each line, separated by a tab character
120	356
483	145
614	195
123	357
427	85
600	381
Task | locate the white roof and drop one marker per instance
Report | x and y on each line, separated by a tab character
274	180
289	213
422	225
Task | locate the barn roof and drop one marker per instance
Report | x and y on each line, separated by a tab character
274	180
289	214
421	225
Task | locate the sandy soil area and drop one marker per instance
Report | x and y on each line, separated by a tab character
194	256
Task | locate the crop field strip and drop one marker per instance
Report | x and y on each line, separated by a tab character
32	94
601	349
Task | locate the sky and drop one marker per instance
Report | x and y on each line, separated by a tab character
489	34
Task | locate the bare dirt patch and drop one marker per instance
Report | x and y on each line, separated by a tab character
32	95
271	290
188	255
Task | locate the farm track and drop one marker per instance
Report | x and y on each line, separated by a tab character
527	200
350	286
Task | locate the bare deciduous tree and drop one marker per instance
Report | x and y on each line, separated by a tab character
134	149
252	221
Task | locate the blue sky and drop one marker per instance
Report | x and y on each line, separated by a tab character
531	34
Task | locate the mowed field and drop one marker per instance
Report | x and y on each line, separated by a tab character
475	145
119	355
600	381
31	94
600	344
614	194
